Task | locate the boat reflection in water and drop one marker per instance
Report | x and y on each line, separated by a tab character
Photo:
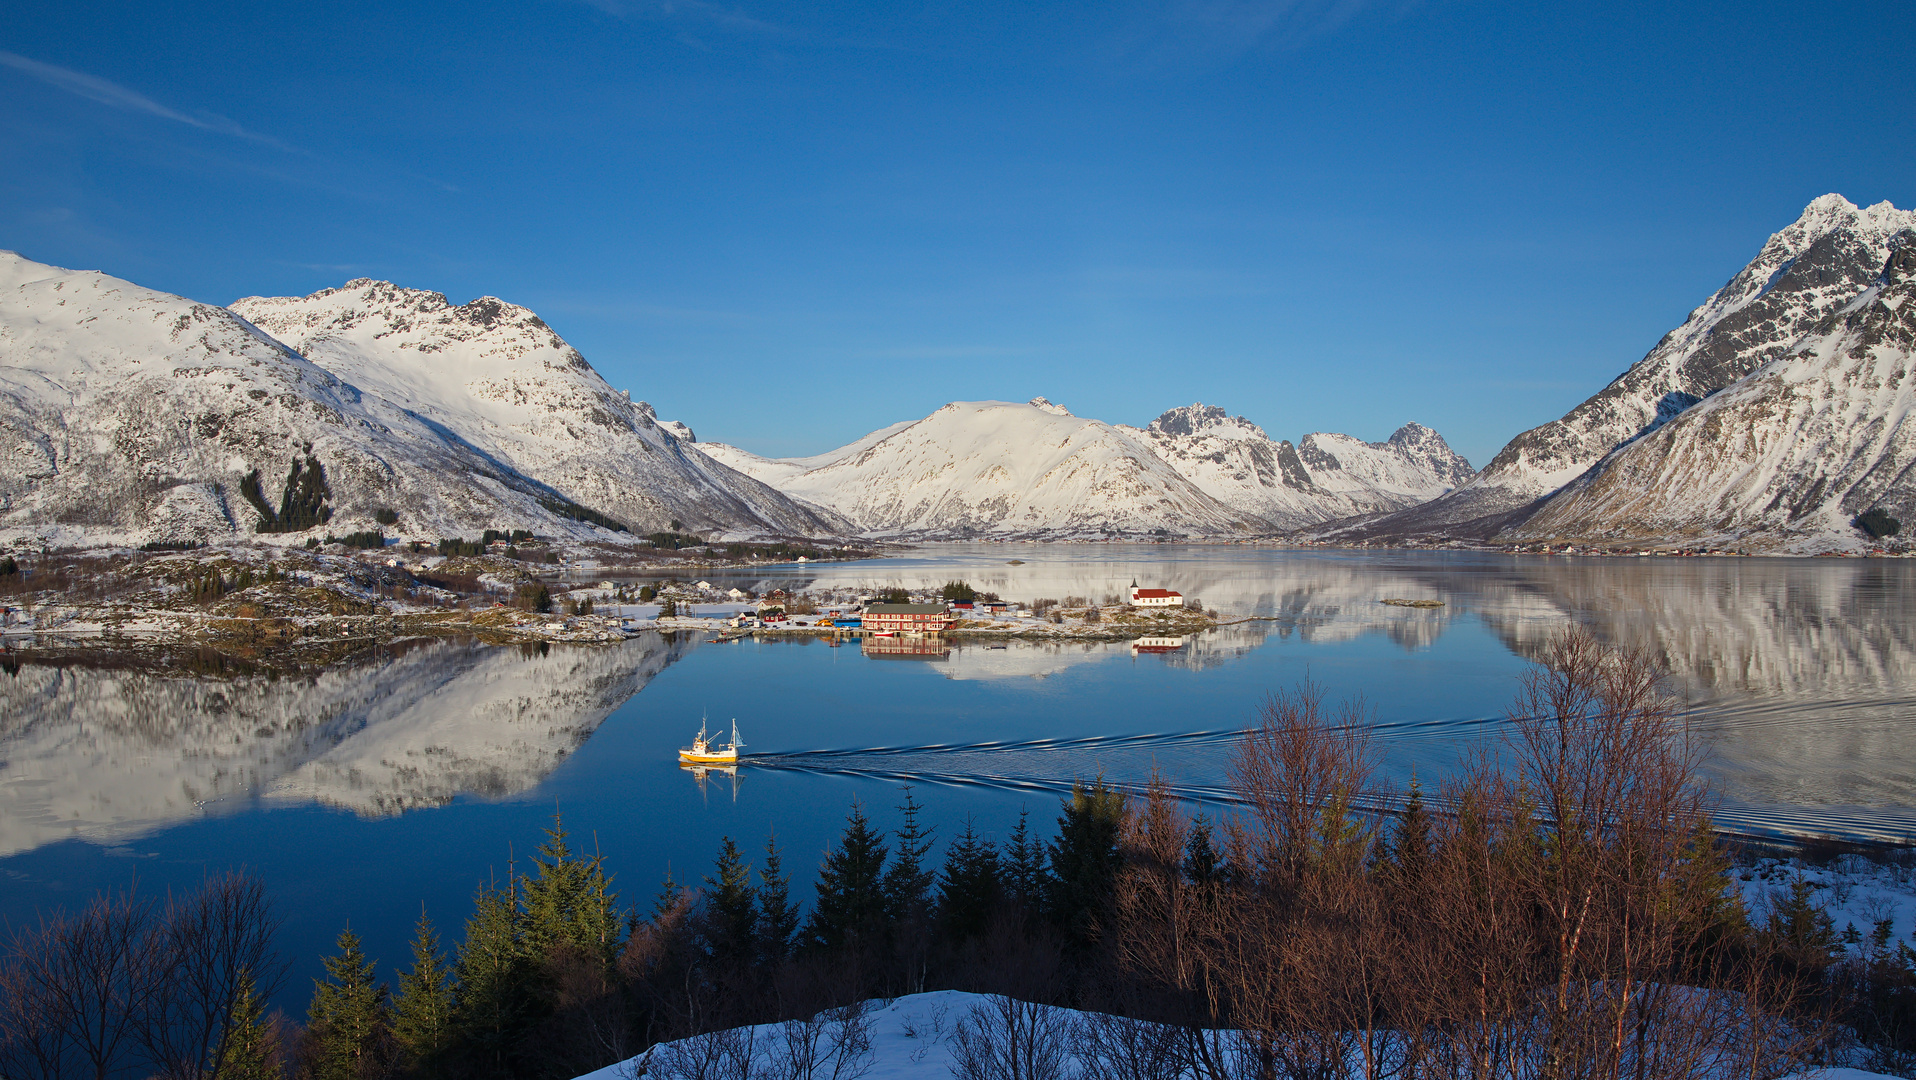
703	774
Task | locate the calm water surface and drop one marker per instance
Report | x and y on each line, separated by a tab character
408	779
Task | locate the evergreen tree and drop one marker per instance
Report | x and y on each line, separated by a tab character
349	1019
731	909
493	992
907	883
1202	864
970	887
248	1054
1024	870
777	912
1802	927
1085	861
569	903
1411	851
851	904
423	1013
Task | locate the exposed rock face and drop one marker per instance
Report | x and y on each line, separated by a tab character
129	415
1802	275
1786	455
1324	476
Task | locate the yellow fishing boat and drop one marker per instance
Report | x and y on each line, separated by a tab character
706	750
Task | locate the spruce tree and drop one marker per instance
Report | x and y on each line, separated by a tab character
248	1054
1024	870
777	912
423	1012
1202	864
569	903
907	883
349	1019
1085	861
851	904
970	889
731	936
493	992
1411	851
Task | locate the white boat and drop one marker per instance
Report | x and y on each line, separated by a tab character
706	750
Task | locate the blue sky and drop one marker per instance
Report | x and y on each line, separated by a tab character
788	224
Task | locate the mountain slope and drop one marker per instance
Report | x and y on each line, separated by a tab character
998	468
1788	454
131	414
497	378
1325	476
1803	274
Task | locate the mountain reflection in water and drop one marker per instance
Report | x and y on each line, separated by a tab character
1797	670
104	753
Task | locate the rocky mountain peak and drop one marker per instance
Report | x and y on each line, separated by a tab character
1198	420
1050	407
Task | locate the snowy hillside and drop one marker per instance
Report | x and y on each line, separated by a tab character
997	468
1802	275
497	378
1326	476
1787	455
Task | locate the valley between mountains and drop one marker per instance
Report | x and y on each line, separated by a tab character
1772	420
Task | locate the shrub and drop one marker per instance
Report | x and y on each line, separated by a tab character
1877	523
8	567
385	516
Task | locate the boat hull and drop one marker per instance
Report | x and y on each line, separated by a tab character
689	758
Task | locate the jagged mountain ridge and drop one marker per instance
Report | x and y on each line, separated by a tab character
128	415
1792	451
1325	476
1803	274
1000	468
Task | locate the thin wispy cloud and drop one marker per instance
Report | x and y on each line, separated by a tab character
1160	31
730	18
114	96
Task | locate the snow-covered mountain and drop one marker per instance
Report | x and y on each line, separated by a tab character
499	379
997	468
128	414
992	467
1789	453
1324	476
1802	275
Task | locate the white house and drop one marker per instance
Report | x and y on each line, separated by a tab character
703	586
1155	598
735	594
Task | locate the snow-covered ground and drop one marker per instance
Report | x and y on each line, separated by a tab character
911	1038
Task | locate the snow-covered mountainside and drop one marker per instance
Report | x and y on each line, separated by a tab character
1801	276
129	415
133	414
497	378
1002	469
1788	454
1325	476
